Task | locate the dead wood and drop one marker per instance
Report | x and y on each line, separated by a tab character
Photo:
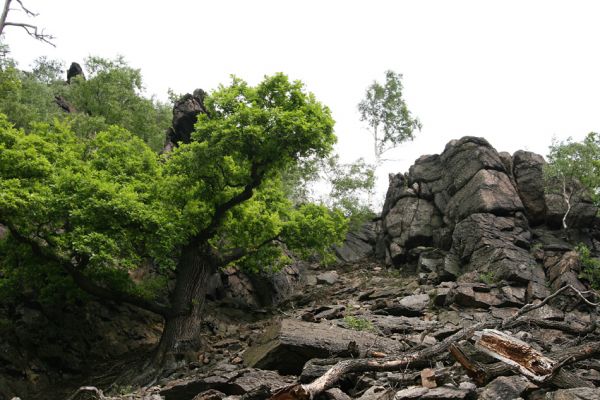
404	361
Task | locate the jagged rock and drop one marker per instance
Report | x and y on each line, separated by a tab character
256	290
583	212
492	244
414	392
582	393
488	191
210	394
336	394
506	387
411	222
74	71
185	115
529	178
358	244
399	324
239	382
416	303
289	343
439	393
329	277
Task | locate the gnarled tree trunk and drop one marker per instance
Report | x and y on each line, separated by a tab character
182	327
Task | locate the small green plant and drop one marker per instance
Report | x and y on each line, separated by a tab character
590	266
536	247
487	277
358	324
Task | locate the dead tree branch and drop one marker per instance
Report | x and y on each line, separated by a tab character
32	30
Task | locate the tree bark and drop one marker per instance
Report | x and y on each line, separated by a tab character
181	332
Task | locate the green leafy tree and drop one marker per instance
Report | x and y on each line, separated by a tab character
573	171
111	95
387	115
92	209
347	187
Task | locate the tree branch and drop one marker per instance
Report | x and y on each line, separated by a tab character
83	282
32	30
255	181
238	253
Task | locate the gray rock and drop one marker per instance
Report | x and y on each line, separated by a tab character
491	244
582	393
358	244
445	393
412	222
329	277
506	387
529	177
487	192
377	393
414	392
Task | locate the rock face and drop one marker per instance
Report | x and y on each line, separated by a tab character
73	71
185	115
476	206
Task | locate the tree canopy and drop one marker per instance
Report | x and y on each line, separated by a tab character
387	115
89	209
112	94
573	170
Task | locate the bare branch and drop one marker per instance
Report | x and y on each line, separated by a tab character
32	30
26	10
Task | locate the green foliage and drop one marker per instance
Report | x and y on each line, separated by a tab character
590	265
107	203
387	114
487	277
350	186
359	324
111	95
571	163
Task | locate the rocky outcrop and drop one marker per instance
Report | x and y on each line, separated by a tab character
74	71
529	178
185	115
476	206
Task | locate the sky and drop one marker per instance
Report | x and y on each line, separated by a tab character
515	72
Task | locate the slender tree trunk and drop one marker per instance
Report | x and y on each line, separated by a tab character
181	333
4	15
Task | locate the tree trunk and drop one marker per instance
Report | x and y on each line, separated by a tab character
181	333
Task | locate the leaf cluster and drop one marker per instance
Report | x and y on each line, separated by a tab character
387	114
574	167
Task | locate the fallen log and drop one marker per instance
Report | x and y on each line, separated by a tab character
520	355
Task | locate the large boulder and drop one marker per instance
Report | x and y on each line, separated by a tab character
497	246
423	207
412	222
529	177
488	191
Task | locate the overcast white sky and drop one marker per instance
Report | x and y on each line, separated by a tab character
515	72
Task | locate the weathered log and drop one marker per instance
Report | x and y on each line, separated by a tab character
288	344
530	362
